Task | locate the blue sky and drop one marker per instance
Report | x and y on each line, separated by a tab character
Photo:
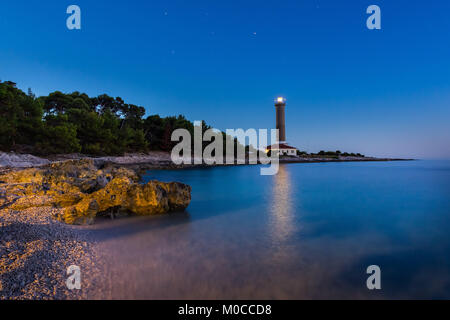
379	92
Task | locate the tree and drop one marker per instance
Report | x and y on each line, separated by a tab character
20	116
59	139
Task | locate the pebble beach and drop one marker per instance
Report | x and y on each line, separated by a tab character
35	252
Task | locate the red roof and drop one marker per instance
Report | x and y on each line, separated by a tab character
280	146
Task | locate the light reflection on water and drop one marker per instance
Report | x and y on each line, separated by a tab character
282	213
281	224
308	232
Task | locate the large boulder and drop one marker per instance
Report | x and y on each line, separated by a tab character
83	191
122	194
59	184
158	197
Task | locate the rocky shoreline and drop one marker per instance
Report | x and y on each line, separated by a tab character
83	190
38	207
147	161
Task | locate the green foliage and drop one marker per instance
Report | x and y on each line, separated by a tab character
71	123
337	154
59	139
20	117
158	131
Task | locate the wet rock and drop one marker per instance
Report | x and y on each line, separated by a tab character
83	191
124	195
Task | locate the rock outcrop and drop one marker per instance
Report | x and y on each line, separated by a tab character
17	160
83	191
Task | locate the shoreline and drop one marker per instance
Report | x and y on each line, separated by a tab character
155	160
142	167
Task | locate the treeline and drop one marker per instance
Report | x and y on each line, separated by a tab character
76	123
329	154
339	153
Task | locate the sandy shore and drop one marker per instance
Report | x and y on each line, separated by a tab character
35	252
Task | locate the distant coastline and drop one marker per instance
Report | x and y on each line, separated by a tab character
155	160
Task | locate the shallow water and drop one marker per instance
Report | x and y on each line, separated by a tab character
309	232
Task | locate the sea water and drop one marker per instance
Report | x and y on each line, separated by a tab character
311	231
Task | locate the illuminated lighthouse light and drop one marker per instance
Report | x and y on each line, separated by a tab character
280	99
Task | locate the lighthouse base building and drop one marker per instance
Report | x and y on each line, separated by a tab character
282	149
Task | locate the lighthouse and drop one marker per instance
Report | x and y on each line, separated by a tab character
282	148
280	106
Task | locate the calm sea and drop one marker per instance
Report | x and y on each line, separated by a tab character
309	232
